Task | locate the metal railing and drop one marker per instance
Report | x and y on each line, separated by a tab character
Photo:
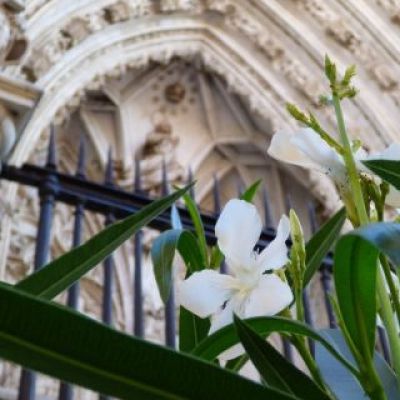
114	203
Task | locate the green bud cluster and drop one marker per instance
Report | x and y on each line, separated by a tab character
311	121
298	250
342	88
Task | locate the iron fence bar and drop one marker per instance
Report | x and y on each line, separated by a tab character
287	347
325	277
138	323
66	391
101	199
384	344
170	328
216	196
47	191
108	262
217	210
306	299
108	266
269	220
190	179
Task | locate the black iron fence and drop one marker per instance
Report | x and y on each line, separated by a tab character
112	202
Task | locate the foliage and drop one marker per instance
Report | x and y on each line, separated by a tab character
41	335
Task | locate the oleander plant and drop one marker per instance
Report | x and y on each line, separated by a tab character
226	319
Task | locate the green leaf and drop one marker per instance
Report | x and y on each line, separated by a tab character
388	170
321	242
62	343
192	329
58	275
163	253
355	269
176	222
198	224
385	236
211	347
216	258
276	371
342	383
251	191
237	363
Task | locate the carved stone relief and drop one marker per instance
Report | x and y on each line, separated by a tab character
12	41
160	147
361	47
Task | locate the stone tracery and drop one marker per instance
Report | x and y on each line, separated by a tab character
245	58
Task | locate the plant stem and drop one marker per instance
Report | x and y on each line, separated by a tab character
385	307
299	304
350	163
304	351
305	354
392	287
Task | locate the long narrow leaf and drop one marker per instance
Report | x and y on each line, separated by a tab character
198	224
275	369
59	342
58	275
211	347
355	269
389	170
342	383
251	191
321	242
163	253
192	330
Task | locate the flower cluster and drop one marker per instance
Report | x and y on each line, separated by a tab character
252	287
307	149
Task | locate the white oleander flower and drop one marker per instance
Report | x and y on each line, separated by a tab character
305	148
247	290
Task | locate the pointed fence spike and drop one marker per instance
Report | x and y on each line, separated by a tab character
288	203
269	223
137	184
312	216
216	195
240	188
81	165
51	151
108	175
164	179
190	180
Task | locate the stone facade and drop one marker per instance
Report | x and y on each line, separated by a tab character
194	84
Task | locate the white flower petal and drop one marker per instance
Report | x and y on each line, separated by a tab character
306	149
218	321
284	149
204	292
238	229
393	197
391	152
222	318
274	256
269	297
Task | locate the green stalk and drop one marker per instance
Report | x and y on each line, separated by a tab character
350	164
300	343
392	287
302	348
385	306
367	375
